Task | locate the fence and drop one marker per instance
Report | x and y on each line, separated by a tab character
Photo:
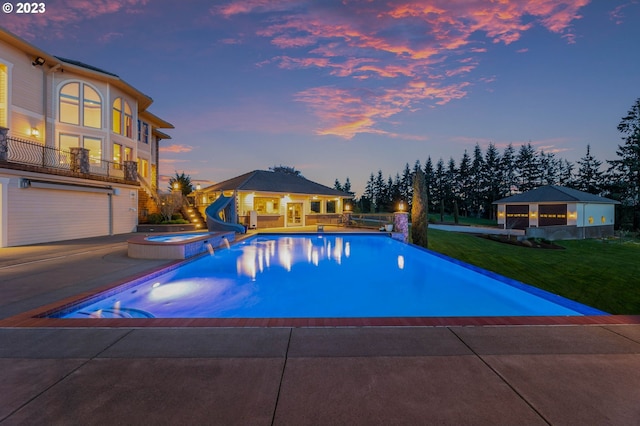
34	154
371	220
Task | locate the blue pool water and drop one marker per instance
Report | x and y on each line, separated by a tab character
326	275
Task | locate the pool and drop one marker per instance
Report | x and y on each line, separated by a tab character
324	276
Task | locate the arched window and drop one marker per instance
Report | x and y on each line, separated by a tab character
80	103
122	118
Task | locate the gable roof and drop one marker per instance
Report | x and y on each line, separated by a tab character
554	194
268	181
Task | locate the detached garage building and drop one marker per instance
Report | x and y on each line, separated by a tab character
556	212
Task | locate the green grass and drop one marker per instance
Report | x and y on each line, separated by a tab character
604	275
463	220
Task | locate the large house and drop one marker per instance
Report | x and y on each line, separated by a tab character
557	212
78	148
267	199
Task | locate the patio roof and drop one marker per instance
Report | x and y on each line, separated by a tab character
268	181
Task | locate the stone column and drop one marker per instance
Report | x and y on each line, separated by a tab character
130	171
4	144
401	224
79	159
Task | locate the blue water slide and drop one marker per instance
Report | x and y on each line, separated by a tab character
214	219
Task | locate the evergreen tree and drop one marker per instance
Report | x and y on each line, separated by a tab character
478	186
626	169
379	192
347	186
509	169
440	187
430	182
589	177
528	166
337	185
464	183
419	212
565	174
494	178
406	184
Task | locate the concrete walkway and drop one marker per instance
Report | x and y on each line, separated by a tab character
517	375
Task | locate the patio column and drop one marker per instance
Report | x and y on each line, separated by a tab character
130	171
4	144
79	159
401	224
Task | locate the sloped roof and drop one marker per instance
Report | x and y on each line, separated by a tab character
267	181
87	66
554	194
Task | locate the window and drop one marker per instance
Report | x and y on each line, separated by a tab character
331	206
94	145
4	96
145	133
71	105
266	205
69	141
143	167
128	154
122	118
117	153
315	207
116	124
92	108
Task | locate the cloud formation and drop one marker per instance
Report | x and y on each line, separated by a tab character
60	14
392	57
175	148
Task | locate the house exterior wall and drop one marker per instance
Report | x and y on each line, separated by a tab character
279	219
38	215
34	215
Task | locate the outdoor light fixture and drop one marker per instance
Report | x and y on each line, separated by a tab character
176	186
198	187
35	132
38	61
401	206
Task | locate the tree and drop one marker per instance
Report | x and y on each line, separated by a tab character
337	186
626	169
510	177
494	178
286	169
590	177
419	212
528	164
184	183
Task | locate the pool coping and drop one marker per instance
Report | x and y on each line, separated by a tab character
39	317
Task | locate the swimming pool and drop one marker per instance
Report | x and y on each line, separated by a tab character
325	275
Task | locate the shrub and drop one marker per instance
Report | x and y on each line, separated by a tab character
154	218
176	216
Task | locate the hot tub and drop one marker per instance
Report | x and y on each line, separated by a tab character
177	246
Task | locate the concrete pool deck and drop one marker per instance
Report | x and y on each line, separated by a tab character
560	375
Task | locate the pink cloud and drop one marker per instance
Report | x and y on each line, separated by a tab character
176	148
62	13
411	48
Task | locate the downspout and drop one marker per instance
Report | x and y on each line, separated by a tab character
110	195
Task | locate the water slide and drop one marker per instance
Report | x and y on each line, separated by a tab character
214	219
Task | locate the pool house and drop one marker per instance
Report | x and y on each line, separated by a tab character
556	212
267	199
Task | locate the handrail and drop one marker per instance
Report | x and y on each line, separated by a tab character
145	185
29	153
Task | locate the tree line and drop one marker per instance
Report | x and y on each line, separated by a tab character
469	186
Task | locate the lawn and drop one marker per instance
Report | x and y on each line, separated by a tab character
604	275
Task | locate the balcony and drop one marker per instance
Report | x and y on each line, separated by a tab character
34	157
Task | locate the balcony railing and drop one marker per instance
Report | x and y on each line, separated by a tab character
46	157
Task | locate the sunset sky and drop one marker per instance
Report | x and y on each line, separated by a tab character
342	89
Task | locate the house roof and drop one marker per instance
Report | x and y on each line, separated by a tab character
268	181
554	194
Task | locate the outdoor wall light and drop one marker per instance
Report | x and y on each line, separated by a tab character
38	61
401	206
198	187
35	132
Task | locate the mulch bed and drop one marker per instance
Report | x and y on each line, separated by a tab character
534	243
